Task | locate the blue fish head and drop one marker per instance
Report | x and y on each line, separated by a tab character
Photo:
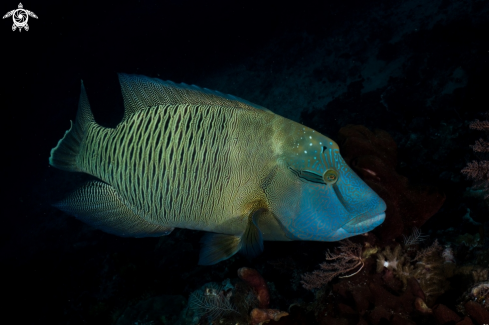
325	199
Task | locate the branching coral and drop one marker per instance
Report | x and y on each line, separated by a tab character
426	267
432	250
348	258
415	238
246	302
211	301
479	170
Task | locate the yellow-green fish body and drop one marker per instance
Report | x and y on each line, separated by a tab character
186	157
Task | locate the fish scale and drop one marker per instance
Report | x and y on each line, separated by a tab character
175	163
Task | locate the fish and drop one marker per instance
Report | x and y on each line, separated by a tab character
193	158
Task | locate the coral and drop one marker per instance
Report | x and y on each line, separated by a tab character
349	257
427	267
411	288
244	298
469	240
475	301
392	260
479	291
261	314
415	238
477	312
445	315
389	259
421	306
373	156
367	299
478	170
480	275
480	125
430	271
244	303
212	301
404	273
256	281
447	255
429	251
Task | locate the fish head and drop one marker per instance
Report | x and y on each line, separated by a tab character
319	197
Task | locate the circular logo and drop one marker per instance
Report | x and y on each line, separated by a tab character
20	18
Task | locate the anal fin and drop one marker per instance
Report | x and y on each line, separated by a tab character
99	205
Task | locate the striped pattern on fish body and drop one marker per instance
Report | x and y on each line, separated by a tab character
183	166
193	158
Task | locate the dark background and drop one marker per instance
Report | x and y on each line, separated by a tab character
54	267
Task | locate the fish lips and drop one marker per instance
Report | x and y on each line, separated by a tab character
356	226
363	223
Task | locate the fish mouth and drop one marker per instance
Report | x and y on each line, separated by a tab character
363	224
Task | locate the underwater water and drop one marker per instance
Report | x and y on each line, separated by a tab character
398	85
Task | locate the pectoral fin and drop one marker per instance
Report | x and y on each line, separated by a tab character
252	239
219	247
99	205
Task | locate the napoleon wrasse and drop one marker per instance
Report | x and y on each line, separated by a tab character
193	158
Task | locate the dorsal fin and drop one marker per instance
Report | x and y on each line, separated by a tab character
140	92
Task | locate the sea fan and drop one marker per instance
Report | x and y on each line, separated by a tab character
211	301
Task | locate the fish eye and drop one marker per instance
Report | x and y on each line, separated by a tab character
330	176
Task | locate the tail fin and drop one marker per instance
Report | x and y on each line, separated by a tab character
65	154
